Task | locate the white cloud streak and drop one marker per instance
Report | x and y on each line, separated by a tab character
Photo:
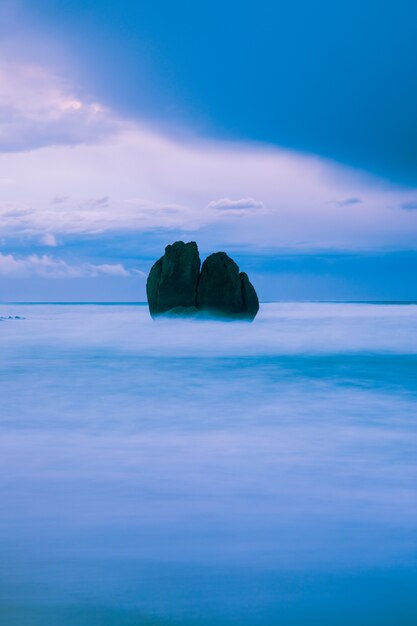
243	205
48	267
349	201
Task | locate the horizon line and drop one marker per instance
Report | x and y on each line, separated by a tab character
144	303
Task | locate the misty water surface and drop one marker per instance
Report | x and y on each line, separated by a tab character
185	472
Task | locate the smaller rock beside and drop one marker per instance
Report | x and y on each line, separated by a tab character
224	291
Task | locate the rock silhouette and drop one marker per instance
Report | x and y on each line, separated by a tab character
172	281
175	285
223	290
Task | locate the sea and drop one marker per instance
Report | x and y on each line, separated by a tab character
184	472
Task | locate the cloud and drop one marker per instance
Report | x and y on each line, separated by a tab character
243	205
409	206
96	203
16	213
349	201
109	269
48	267
94	175
139	273
142	181
49	240
38	109
59	199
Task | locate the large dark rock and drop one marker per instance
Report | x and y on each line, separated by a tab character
176	287
223	291
172	281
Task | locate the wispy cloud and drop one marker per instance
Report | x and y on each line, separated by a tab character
59	199
349	201
38	109
93	203
49	267
242	205
410	205
49	240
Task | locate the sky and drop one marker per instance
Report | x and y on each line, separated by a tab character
283	133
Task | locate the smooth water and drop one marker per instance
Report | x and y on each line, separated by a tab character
191	472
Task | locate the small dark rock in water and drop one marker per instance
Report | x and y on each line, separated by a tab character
11	317
175	285
172	281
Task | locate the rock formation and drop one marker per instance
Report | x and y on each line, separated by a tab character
222	290
172	281
175	285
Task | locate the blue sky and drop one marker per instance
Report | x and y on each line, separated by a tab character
283	133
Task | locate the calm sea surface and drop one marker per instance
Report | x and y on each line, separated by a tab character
187	473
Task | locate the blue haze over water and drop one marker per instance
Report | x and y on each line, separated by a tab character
184	472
